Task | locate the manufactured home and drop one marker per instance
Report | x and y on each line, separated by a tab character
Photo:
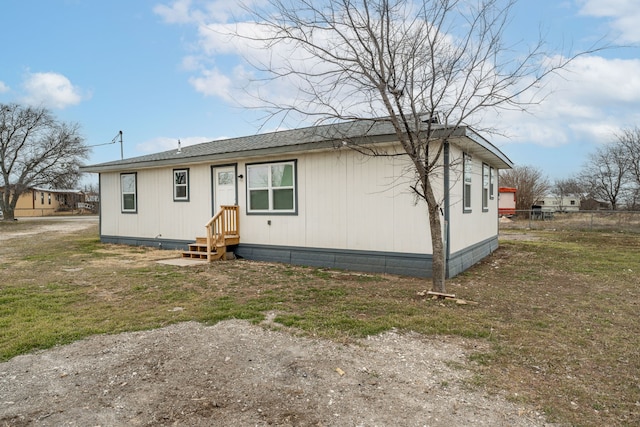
552	203
37	201
507	201
306	197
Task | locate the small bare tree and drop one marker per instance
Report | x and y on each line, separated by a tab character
35	150
529	182
410	63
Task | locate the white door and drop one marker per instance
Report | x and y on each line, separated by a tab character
224	187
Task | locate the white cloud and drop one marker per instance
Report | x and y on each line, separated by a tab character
624	15
191	63
214	83
599	81
3	87
589	101
179	12
164	144
50	89
200	11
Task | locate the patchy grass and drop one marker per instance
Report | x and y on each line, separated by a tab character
559	312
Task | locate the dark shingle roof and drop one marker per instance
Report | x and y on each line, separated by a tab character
303	139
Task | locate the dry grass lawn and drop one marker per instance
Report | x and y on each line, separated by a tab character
556	311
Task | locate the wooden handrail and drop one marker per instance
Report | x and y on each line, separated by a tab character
225	223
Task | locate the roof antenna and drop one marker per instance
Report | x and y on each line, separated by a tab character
179	147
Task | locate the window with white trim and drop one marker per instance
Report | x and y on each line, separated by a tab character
467	168
128	189
181	185
271	188
492	183
485	187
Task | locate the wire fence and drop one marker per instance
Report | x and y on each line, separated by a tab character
579	220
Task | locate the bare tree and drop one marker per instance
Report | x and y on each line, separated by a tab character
409	63
629	140
605	174
529	182
35	150
67	181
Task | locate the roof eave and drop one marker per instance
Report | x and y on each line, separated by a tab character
500	159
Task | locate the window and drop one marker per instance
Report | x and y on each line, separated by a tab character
485	187
49	197
225	178
492	183
467	167
181	185
272	187
128	187
41	198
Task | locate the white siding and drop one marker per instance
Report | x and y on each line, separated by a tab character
345	201
557	204
467	229
157	213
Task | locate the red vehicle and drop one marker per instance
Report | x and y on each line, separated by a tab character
506	201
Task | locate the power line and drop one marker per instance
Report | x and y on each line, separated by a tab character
113	141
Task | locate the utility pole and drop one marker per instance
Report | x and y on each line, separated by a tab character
113	141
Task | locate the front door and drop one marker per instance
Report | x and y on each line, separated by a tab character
224	186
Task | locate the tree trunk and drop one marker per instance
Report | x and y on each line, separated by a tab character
435	226
8	205
8	215
438	273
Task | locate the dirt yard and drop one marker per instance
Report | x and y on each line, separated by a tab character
235	373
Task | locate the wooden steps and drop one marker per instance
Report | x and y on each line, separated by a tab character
198	249
222	231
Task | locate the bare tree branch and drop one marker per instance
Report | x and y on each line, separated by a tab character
530	183
426	67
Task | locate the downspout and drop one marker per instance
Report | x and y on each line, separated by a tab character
100	199
447	209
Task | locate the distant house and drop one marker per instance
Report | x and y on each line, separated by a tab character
303	197
44	202
506	201
559	204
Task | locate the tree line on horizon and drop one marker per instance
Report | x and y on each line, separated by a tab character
610	175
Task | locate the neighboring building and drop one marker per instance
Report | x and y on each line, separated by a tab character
91	202
44	202
506	201
559	204
303	197
592	204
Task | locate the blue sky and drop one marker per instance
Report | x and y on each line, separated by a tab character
152	69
